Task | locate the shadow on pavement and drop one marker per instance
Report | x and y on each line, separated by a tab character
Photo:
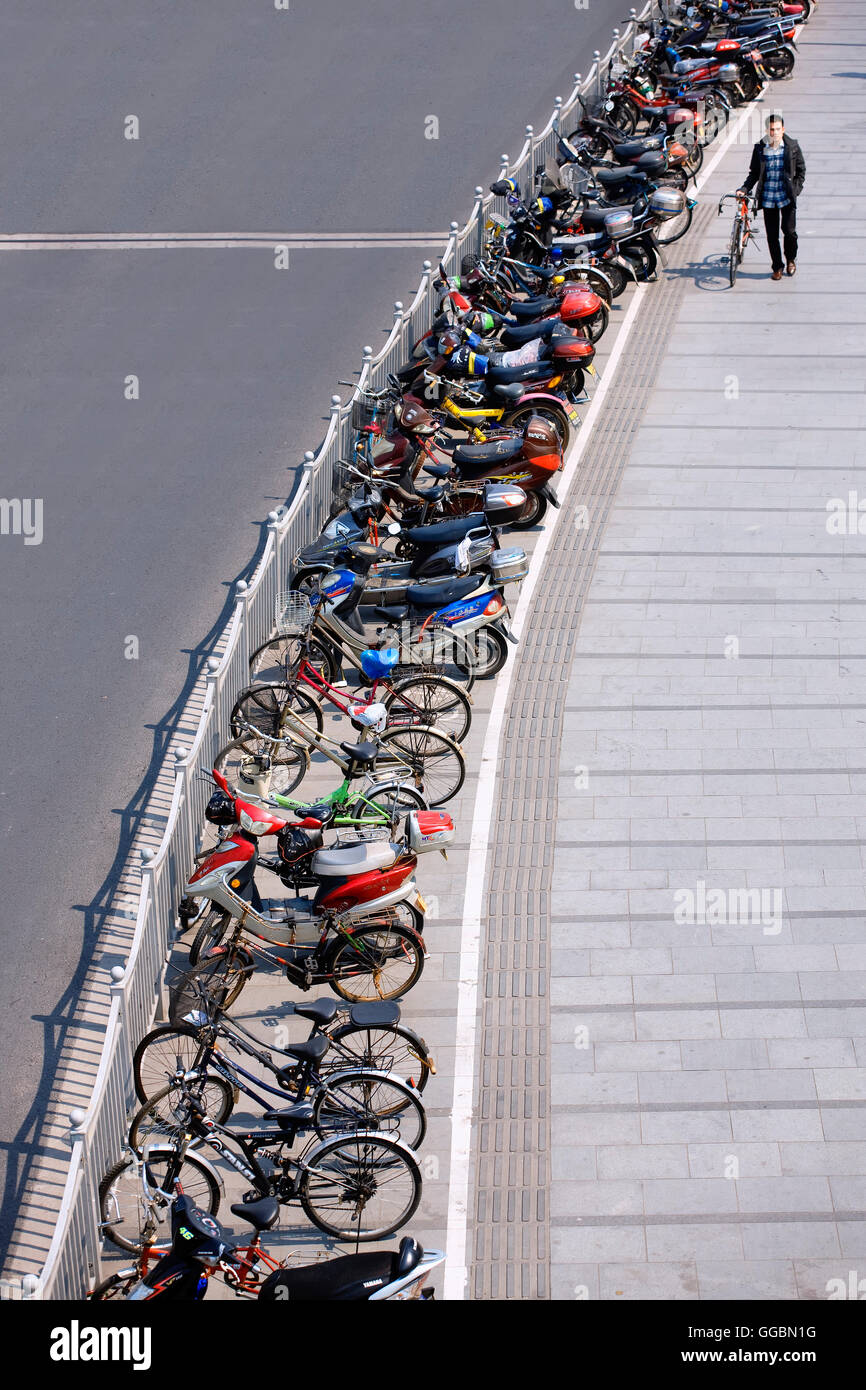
27	1145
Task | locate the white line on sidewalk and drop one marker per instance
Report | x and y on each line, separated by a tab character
456	1265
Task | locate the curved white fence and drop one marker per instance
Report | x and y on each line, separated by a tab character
73	1261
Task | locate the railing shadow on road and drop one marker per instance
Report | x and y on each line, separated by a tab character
29	1142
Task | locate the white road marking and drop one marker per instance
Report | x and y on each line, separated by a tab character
206	241
456	1264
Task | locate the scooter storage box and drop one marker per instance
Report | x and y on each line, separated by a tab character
429	830
502	503
667	202
619	224
508	566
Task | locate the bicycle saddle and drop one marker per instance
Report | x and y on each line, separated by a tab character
261	1215
318	1011
508	391
313	1050
299	1113
361	752
322	811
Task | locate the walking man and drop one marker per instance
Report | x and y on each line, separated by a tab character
779	171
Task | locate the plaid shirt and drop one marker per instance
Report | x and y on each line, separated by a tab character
773	194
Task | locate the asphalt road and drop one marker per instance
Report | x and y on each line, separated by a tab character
250	119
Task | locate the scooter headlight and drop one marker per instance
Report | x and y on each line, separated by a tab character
255	827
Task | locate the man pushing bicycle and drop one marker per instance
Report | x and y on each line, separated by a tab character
779	171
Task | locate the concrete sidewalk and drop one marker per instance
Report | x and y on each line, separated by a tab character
708	1123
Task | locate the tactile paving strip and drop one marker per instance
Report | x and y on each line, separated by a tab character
511	1256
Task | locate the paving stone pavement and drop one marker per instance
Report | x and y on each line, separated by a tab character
671	1083
707	1084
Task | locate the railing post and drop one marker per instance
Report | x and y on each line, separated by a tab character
557	114
596	55
242	592
116	990
366	367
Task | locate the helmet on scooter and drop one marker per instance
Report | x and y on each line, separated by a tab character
412	418
377	665
449	342
220	810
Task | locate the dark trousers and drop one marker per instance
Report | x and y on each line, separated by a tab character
788	217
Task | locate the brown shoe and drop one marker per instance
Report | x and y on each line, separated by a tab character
776	275
791	268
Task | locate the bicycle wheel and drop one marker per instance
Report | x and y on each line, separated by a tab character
377	961
214	926
433	761
289	762
370	1100
388	1048
264	706
116	1286
165	1115
213	985
162	1053
390	799
362	1188
277	659
124	1207
596	326
735	251
434	701
675	227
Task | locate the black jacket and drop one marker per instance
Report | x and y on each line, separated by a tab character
794	175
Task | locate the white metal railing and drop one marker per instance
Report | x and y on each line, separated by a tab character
73	1260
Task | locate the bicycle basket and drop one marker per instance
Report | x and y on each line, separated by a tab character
365	410
293	613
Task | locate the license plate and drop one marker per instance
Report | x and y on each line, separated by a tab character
420	903
591	369
573	415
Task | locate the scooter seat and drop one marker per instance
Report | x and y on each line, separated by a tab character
651	163
614	178
593	218
318	1011
520	333
689	65
359	858
528	371
527	309
497	451
446	532
633	149
432	594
